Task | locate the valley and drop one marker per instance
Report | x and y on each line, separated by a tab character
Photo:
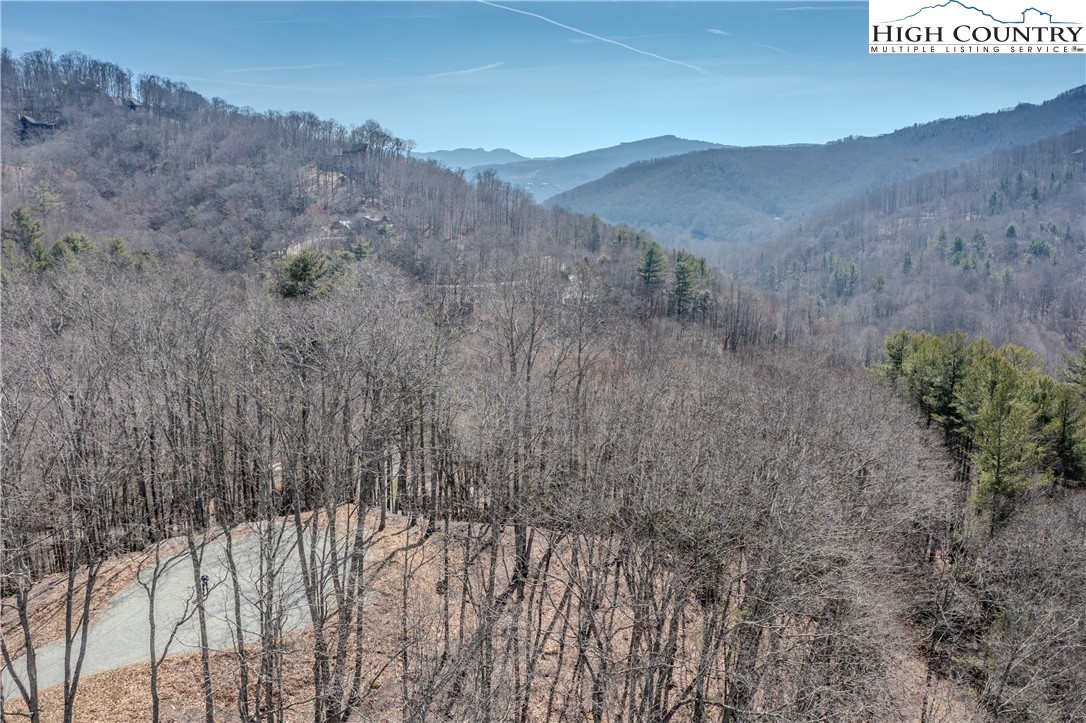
748	195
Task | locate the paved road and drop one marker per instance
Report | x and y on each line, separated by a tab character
120	636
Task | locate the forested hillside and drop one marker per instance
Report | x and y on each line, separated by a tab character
753	194
176	173
995	248
527	466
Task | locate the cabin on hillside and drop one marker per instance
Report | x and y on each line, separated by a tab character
29	123
31	126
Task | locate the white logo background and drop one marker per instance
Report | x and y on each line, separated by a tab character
889	20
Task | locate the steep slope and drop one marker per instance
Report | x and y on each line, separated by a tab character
544	177
751	194
994	248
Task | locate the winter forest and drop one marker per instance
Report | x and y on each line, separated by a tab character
414	447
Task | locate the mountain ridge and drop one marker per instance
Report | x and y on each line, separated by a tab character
544	177
469	157
745	194
971	249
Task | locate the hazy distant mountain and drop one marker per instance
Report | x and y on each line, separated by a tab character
544	177
751	194
468	157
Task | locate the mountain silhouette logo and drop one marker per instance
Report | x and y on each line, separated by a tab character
1026	16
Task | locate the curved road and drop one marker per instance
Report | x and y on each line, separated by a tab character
120	636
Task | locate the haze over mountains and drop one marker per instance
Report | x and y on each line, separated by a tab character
470	157
688	191
752	194
544	177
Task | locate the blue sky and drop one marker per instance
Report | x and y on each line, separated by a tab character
547	78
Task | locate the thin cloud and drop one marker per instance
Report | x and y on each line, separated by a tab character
801	8
778	50
714	31
596	37
407	16
407	81
292	21
240	84
467	71
269	68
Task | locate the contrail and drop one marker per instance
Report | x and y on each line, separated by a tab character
240	84
467	71
596	37
282	67
803	8
778	50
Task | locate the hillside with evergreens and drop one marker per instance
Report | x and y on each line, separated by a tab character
994	248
